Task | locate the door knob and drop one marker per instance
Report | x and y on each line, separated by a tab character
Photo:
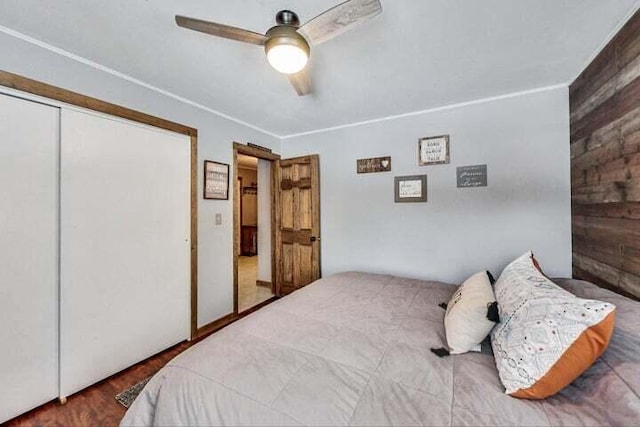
314	238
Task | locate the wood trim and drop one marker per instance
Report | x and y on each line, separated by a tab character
55	93
45	90
263	283
216	325
255	152
194	237
265	155
240	183
236	230
275	233
315	177
257	307
275	224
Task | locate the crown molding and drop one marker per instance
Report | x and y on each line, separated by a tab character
128	78
184	100
431	110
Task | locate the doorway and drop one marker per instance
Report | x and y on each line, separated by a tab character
253	228
254	257
290	224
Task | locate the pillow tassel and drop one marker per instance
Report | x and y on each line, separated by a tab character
491	278
440	352
492	312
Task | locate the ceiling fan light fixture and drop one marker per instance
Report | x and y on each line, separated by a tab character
287	51
287	44
287	59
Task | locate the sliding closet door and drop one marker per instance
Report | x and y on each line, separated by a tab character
28	255
125	233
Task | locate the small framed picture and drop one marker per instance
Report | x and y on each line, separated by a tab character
433	150
373	165
216	180
471	176
412	188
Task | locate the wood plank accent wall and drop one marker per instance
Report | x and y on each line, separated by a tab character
605	165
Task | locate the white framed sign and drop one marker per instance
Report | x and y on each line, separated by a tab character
216	180
433	150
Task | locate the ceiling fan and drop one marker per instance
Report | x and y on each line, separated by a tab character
287	44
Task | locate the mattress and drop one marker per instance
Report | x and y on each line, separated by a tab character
354	349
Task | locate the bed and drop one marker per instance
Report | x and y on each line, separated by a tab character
354	349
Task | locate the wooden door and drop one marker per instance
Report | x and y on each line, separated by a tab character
297	211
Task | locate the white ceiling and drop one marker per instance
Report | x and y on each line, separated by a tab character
416	55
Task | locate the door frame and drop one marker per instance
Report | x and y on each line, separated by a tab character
57	96
273	158
239	229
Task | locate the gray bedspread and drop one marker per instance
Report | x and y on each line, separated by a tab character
354	349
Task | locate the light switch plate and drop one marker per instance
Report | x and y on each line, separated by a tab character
218	219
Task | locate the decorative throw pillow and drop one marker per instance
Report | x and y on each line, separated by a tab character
547	337
467	321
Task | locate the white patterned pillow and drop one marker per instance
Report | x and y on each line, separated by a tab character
547	337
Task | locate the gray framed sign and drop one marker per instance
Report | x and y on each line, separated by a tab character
471	176
411	189
433	150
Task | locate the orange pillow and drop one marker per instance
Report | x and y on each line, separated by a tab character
547	337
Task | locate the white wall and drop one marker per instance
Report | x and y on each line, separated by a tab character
215	137
524	140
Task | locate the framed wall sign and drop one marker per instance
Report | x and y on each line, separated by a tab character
433	150
471	176
376	164
216	180
412	188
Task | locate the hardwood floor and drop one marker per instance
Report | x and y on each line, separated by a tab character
96	405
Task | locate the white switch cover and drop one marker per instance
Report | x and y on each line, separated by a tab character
218	219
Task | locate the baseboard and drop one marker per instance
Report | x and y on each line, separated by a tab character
216	325
257	307
263	283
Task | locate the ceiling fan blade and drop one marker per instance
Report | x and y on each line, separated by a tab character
301	82
220	30
339	19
